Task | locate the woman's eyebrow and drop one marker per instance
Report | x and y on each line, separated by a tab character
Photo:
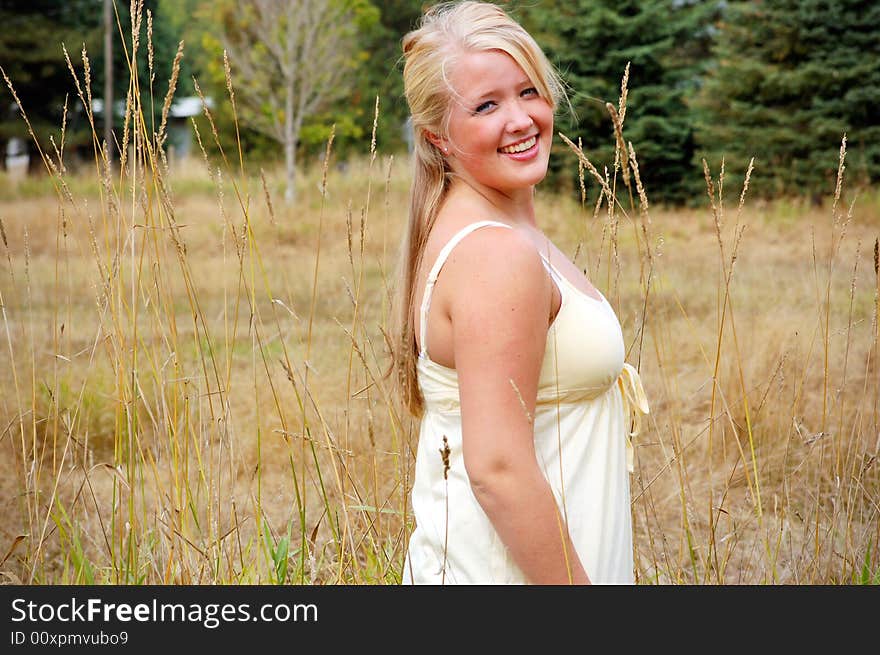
485	94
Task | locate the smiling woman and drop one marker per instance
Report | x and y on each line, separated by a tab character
510	356
499	126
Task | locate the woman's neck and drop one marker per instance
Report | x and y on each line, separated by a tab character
517	208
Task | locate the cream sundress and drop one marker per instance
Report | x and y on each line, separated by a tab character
586	393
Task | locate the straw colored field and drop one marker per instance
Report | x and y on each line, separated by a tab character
193	392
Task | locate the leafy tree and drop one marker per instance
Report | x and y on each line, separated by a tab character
792	77
290	61
666	43
376	69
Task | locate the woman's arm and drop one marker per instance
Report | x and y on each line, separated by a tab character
500	298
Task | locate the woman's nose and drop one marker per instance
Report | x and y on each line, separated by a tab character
519	119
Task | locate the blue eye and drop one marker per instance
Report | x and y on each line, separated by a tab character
483	107
530	91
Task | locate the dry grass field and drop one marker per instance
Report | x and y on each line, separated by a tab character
193	391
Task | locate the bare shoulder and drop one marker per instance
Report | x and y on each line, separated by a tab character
496	266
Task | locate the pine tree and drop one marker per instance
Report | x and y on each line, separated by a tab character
666	43
31	56
792	78
31	39
160	31
382	72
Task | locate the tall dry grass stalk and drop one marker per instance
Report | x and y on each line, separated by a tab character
760	497
194	388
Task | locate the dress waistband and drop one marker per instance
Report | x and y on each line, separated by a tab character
635	404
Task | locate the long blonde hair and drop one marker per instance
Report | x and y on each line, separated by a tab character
446	31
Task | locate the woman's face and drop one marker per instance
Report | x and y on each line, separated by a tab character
500	128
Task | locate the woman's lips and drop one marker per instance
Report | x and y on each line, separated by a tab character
520	146
522	151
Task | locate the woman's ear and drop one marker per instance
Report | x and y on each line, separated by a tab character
438	141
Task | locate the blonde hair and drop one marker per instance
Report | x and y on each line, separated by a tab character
446	31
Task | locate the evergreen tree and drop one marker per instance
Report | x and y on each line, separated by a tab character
163	39
31	56
381	72
792	77
666	43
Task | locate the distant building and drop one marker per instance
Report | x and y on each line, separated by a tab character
180	134
17	158
408	134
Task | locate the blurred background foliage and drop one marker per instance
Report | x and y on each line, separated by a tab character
780	80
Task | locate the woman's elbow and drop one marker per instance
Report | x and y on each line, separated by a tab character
492	477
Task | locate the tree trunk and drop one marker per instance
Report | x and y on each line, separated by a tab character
108	78
289	132
290	166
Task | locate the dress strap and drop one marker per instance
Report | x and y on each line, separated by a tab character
555	275
635	404
435	271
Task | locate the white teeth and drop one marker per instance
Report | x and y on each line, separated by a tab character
519	147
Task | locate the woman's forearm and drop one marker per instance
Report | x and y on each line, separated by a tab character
521	507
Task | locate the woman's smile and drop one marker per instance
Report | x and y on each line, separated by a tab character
522	150
500	127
